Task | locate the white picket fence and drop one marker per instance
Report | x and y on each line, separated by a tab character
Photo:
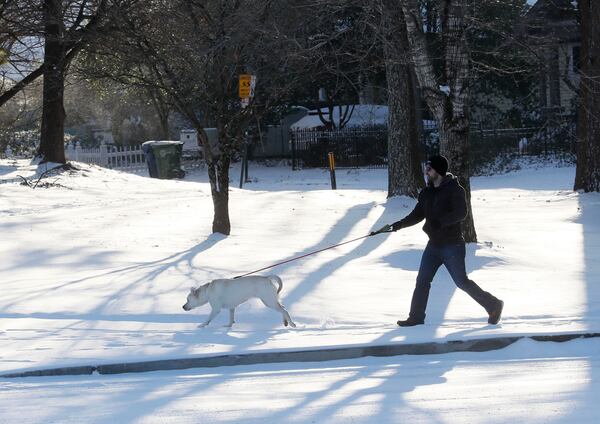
129	158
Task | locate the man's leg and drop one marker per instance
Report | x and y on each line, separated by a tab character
430	263
453	257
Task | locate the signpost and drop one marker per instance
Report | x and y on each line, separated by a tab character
247	83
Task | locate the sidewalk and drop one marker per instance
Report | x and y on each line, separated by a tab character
295	355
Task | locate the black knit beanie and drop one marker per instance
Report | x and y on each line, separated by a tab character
439	163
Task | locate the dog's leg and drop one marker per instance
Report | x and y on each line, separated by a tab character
231	317
276	305
213	313
286	316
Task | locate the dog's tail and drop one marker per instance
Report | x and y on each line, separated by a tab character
277	280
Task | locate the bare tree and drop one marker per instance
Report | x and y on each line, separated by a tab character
343	56
53	114
587	176
196	63
64	28
447	92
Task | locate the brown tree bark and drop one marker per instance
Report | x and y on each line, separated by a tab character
447	95
61	45
454	142
51	147
587	176
162	111
218	174
405	176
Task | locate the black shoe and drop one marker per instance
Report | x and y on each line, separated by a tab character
496	313
410	322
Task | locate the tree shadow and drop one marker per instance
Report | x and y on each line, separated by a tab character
214	334
7	169
128	281
336	235
588	218
442	286
407	259
131	397
152	269
388	372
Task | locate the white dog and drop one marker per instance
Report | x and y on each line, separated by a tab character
229	293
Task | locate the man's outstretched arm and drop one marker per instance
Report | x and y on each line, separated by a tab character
417	215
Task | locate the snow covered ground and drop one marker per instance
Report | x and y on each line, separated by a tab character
96	268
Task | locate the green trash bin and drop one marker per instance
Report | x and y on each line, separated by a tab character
164	159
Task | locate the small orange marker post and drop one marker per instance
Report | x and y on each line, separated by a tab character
332	170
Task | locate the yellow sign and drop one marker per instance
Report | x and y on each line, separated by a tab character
246	87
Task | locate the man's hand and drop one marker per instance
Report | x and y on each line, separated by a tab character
396	226
385	229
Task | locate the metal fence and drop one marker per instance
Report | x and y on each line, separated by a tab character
367	146
352	147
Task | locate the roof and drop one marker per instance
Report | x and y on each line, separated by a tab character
556	19
363	115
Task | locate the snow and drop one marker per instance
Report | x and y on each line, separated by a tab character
97	264
162	143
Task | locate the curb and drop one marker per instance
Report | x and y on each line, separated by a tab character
317	355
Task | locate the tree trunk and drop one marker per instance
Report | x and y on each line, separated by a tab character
218	174
164	126
217	160
449	105
587	177
405	175
162	111
52	147
454	143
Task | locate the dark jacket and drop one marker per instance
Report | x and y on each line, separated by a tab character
443	208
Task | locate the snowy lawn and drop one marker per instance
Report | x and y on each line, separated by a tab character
96	268
528	382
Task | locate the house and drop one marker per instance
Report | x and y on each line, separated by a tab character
554	32
191	143
103	135
189	138
272	142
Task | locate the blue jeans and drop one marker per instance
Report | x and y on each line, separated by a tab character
452	256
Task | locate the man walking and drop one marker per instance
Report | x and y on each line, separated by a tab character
443	205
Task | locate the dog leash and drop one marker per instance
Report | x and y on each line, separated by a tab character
385	229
